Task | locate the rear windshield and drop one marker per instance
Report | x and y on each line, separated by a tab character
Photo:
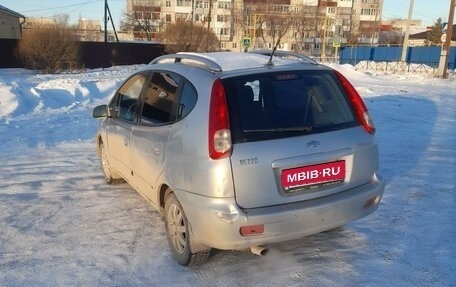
284	104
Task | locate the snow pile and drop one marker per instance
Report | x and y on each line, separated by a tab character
42	110
60	225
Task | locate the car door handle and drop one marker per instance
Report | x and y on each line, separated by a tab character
157	150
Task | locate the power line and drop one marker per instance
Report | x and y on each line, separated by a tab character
397	10
60	7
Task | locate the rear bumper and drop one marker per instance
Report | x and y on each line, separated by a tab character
216	222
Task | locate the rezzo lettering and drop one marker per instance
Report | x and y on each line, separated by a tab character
249	161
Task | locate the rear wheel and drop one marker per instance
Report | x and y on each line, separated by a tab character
106	167
177	232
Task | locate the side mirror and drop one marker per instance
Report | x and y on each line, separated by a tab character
100	111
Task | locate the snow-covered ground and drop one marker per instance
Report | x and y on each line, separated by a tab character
60	225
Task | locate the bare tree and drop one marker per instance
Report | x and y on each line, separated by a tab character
304	26
143	19
267	21
142	27
277	28
50	48
209	19
62	20
185	36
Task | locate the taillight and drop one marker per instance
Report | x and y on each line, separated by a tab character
219	125
360	108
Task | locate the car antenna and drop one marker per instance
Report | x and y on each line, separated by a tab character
269	63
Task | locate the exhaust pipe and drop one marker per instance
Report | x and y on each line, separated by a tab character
259	250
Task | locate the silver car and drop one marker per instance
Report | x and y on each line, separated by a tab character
239	150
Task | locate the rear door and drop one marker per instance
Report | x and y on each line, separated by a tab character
150	137
294	138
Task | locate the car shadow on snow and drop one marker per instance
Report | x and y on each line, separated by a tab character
404	127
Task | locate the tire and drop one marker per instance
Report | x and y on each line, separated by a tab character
177	233
106	167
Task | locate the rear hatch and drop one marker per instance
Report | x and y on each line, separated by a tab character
295	137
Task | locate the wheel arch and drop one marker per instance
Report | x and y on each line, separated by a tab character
99	141
199	252
162	194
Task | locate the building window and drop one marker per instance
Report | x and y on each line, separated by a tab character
368	11
234	45
223	5
168	3
183	3
168	17
181	16
223	18
223	31
146	15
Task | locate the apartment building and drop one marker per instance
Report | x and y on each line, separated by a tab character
309	26
370	16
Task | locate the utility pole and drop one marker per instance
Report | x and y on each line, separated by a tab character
112	23
106	21
351	20
445	54
407	32
323	44
209	19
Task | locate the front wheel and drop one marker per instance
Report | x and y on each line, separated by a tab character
106	167
177	232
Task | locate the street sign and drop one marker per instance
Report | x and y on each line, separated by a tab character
246	42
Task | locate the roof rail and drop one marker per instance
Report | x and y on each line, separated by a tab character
209	64
285	54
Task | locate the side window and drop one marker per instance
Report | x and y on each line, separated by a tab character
159	102
128	96
187	101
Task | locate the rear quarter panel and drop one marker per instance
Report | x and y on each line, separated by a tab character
188	166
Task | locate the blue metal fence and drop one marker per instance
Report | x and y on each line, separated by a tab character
416	55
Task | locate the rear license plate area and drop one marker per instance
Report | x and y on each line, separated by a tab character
313	176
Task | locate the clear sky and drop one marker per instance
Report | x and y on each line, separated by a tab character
426	10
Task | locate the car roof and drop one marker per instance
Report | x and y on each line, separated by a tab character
219	62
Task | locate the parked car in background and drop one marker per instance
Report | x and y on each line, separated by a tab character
239	150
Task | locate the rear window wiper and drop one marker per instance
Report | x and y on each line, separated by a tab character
306	128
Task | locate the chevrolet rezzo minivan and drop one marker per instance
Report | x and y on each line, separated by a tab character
239	150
